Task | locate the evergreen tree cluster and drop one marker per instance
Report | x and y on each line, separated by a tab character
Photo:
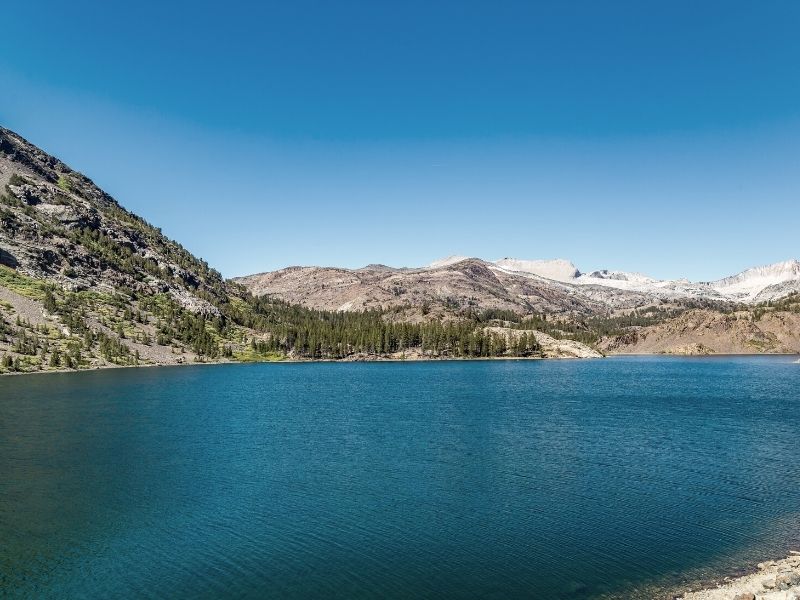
309	333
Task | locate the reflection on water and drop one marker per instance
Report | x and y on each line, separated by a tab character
571	479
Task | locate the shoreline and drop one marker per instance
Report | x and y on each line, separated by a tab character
777	579
769	580
715	354
288	361
386	360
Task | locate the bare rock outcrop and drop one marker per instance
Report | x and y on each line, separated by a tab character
550	347
56	224
704	331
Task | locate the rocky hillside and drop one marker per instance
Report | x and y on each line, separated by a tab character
85	283
59	226
442	290
458	283
698	332
612	311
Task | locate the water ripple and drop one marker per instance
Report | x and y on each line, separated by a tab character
620	478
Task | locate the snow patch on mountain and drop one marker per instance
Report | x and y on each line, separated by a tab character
557	269
447	261
758	284
752	282
605	274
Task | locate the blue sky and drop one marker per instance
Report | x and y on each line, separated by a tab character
661	137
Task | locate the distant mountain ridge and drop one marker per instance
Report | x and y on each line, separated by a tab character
514	284
757	284
755	311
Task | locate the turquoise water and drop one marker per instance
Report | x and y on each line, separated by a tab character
500	479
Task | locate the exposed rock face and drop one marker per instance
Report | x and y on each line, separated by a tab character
710	332
84	283
550	346
453	286
690	350
57	225
555	348
760	284
554	286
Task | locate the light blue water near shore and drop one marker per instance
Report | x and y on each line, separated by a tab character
494	479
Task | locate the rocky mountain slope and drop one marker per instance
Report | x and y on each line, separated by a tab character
85	283
618	312
57	225
442	290
522	286
448	288
758	284
703	331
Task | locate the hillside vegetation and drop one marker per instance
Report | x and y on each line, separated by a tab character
770	327
85	283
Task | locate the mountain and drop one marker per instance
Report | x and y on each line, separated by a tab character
523	286
59	226
759	284
557	270
85	283
762	284
703	331
447	290
614	311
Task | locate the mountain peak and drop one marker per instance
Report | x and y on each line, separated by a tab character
751	283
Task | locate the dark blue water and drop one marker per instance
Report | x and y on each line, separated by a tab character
503	479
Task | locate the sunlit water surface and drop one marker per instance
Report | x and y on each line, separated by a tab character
623	477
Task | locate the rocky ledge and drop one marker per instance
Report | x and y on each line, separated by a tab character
774	580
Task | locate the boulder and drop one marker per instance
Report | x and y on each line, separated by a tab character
769	583
8	259
786	580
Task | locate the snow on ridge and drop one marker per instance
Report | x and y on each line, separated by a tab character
557	269
751	282
616	276
757	284
448	260
752	285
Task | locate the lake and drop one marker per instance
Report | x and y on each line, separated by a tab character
614	478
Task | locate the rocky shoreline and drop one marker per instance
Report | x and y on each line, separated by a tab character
291	360
774	580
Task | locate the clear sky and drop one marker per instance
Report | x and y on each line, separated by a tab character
661	137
